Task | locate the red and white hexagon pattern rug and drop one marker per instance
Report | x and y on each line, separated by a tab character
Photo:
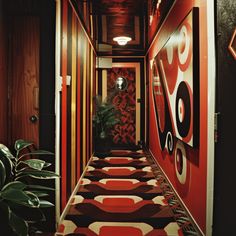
124	194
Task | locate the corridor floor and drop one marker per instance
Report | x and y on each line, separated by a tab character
124	194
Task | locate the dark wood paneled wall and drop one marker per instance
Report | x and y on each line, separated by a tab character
3	77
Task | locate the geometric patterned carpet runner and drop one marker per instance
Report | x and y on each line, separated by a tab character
124	194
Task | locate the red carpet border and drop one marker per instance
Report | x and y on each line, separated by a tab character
125	194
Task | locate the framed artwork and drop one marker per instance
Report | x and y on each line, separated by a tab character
157	10
232	45
175	85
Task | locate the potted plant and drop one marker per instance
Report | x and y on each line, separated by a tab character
21	199
105	118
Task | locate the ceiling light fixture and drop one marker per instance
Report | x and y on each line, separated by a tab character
122	40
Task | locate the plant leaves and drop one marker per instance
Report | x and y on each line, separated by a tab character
39	193
36	152
21	144
15	184
33	198
18	225
44	204
39	187
6	152
34	163
43	174
47	164
2	174
20	197
8	164
29	214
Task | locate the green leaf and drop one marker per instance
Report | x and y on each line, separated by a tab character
14	185
44	204
34	200
36	152
8	164
20	197
2	174
39	193
28	214
18	225
39	187
6	152
43	174
21	144
103	135
47	164
34	163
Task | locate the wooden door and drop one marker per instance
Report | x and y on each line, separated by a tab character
24	78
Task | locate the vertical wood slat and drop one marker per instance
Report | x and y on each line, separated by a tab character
84	105
78	106
69	99
73	105
88	104
64	107
91	98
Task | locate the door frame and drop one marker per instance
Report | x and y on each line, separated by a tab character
211	68
135	65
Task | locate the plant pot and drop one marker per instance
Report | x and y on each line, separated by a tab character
102	146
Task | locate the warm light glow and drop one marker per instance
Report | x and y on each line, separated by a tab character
122	40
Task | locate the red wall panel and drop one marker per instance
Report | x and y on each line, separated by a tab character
193	191
64	105
75	99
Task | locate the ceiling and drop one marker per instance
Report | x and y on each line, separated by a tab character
120	18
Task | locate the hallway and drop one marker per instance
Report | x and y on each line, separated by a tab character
167	67
125	194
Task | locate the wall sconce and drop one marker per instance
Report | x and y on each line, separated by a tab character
121	83
122	40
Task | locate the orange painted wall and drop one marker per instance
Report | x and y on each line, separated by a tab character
195	196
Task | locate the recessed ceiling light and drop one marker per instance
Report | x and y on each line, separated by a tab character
122	40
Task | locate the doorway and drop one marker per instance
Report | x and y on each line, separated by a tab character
127	101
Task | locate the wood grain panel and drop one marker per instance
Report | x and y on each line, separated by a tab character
69	99
84	104
78	105
24	77
88	103
3	78
73	105
92	79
